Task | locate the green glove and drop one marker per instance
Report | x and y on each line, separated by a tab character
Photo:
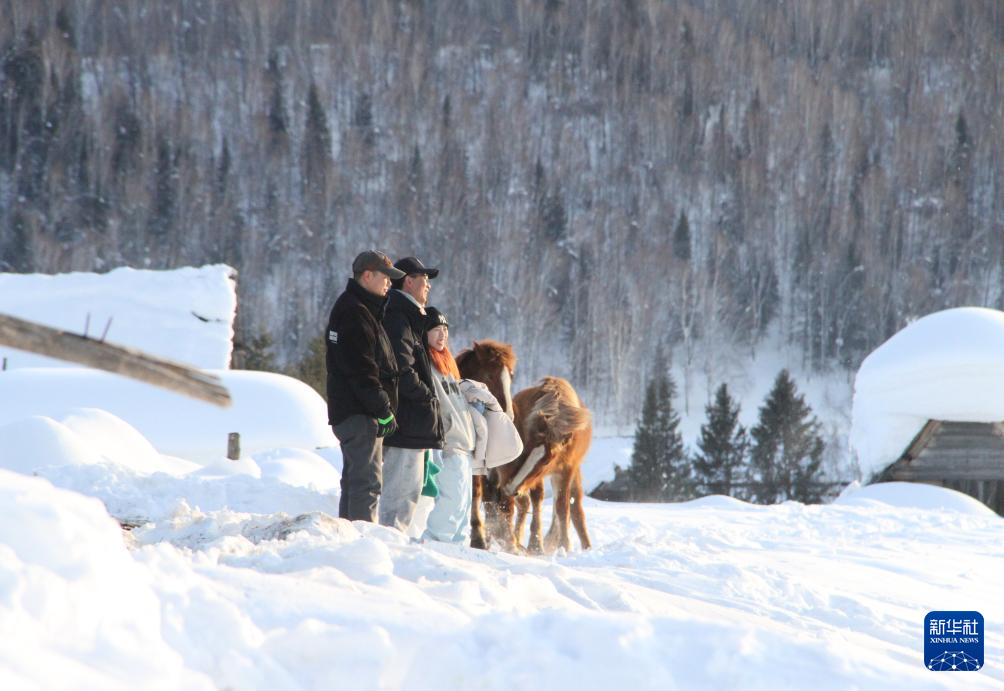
386	426
429	487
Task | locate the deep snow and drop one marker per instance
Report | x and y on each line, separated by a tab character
248	583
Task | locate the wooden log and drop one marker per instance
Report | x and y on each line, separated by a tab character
128	362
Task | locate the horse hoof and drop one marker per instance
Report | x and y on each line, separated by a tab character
478	542
512	547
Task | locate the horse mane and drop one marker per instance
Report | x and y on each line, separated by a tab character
489	351
559	405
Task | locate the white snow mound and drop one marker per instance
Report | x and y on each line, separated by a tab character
269	410
73	603
38	441
915	495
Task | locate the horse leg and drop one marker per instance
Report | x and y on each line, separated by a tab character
578	512
522	505
557	534
504	524
536	545
478	540
491	498
498	514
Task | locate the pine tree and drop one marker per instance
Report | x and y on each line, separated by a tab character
681	239
658	469
312	369
645	472
255	353
316	144
787	448
163	212
723	447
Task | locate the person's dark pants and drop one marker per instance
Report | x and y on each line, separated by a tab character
362	468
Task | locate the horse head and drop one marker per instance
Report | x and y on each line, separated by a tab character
492	363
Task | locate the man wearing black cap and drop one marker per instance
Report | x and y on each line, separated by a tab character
419	425
362	382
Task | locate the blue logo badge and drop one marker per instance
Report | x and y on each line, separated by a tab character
953	641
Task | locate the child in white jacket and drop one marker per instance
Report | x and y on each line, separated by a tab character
450	518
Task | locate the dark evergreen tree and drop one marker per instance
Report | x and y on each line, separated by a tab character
658	470
223	170
255	353
278	117
787	448
553	217
721	462
311	368
362	119
645	471
681	239
316	143
163	210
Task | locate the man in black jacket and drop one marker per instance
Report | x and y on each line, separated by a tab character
419	425
362	383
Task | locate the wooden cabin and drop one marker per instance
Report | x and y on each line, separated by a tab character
618	489
964	456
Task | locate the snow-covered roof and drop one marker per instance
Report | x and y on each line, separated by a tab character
184	314
946	366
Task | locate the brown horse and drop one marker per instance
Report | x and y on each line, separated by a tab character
556	431
492	363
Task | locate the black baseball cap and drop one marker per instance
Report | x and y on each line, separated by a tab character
412	265
371	260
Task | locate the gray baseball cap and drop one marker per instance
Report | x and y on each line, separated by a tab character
372	260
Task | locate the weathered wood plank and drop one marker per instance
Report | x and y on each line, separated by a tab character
128	362
907	474
922	439
930	459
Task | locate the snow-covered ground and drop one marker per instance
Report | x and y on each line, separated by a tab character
238	575
251	583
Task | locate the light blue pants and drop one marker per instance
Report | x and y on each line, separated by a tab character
450	519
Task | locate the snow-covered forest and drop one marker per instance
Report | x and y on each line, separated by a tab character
594	178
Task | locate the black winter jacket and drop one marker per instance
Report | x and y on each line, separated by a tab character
362	371
418	421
